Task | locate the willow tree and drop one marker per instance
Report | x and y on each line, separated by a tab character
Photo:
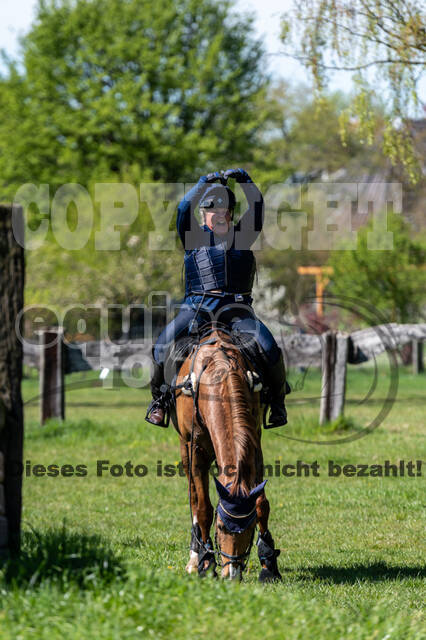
383	43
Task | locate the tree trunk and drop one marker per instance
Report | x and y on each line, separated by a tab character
12	273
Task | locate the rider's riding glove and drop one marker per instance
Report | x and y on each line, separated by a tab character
239	174
212	177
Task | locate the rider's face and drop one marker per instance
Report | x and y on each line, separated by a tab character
218	220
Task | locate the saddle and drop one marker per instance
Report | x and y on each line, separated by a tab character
179	351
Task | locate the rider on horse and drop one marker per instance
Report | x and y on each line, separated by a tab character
219	274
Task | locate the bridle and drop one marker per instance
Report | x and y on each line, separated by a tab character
210	553
242	558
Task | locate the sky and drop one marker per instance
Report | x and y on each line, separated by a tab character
16	17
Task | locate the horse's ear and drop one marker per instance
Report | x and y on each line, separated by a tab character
221	490
258	490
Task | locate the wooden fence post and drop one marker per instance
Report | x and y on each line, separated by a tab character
12	275
4	538
52	387
333	386
328	349
339	376
417	351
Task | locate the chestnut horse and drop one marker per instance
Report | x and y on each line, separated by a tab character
218	414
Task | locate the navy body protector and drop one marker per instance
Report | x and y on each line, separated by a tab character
218	268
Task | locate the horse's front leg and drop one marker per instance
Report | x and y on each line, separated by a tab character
204	513
192	566
265	543
202	510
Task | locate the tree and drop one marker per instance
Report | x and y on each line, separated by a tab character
387	37
392	281
297	136
134	91
152	90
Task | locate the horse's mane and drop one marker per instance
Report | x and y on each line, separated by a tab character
243	424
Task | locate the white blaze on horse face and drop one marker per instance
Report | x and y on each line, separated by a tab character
234	572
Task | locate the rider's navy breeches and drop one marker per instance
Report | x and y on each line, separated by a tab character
238	316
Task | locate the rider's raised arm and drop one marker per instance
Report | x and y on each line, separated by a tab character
250	224
190	232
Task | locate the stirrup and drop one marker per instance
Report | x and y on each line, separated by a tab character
154	404
281	422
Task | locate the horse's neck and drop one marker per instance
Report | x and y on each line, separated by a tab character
231	423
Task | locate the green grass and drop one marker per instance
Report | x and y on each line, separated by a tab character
104	557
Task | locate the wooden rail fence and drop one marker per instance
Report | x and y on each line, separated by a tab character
331	351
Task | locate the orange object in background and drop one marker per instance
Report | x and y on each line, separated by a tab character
321	278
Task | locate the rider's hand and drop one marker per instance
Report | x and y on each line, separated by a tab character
239	174
212	177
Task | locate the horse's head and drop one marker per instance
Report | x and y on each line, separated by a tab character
235	523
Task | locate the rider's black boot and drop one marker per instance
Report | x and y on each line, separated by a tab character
278	387
157	410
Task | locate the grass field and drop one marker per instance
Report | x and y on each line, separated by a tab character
103	557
